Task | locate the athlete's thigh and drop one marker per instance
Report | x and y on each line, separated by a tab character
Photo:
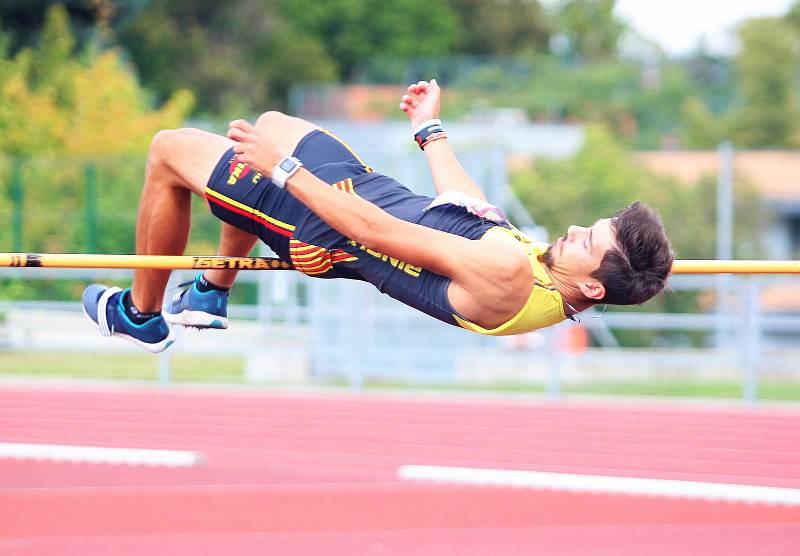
192	154
313	145
283	130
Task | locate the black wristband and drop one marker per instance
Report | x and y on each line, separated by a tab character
430	132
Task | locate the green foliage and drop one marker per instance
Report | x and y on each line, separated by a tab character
609	93
501	27
702	129
603	178
54	101
591	28
62	113
353	30
769	115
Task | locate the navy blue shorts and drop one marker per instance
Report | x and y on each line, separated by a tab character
242	197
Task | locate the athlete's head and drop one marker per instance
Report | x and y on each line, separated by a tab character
622	260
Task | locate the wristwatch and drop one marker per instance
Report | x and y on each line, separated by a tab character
284	170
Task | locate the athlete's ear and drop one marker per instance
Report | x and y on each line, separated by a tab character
593	290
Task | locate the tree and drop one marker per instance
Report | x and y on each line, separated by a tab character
63	113
602	178
591	28
352	31
769	115
236	61
55	101
501	27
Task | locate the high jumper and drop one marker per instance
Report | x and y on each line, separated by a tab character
324	211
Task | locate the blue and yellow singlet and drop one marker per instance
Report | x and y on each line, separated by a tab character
416	286
244	198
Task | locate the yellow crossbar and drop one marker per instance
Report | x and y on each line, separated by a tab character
735	267
78	260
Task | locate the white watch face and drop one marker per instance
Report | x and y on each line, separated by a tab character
287	165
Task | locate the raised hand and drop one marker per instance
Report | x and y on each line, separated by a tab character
253	148
422	101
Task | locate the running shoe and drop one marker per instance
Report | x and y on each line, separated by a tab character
103	305
196	309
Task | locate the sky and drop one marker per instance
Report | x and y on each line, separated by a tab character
677	25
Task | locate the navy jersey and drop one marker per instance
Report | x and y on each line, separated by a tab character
413	285
244	198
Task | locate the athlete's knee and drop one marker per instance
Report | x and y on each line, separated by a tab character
161	145
167	143
272	119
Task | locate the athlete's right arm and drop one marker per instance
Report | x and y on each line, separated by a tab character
474	265
420	105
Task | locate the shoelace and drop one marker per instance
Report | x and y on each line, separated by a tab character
179	294
102	304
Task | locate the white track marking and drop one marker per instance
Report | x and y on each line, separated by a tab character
100	454
602	484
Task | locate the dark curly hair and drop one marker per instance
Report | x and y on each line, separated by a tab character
637	268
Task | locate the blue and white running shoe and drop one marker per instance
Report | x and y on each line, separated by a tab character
103	305
191	307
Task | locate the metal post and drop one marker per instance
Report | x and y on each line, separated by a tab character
355	370
724	250
165	357
17	193
752	340
90	193
553	386
165	368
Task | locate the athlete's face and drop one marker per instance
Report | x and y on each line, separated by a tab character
577	254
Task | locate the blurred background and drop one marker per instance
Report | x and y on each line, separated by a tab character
565	111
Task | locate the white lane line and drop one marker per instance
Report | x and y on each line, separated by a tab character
601	484
100	454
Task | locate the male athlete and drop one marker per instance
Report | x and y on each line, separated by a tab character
323	210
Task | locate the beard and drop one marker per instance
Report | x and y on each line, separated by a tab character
547	257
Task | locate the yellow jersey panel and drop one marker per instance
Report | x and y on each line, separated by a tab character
544	306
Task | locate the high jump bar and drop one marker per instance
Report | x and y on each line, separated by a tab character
80	260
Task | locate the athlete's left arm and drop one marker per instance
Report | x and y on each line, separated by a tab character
420	105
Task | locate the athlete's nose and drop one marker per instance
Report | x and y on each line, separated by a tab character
573	231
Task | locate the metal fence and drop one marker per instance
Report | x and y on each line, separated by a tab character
305	329
317	330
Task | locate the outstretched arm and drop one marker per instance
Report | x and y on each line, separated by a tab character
422	104
440	252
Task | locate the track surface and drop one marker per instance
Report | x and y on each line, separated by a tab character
292	474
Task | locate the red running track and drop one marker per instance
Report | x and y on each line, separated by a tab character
317	474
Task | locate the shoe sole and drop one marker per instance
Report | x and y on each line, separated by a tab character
152	348
196	319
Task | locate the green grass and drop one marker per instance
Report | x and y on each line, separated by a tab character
185	368
767	389
216	369
783	390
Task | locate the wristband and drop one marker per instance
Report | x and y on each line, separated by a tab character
423	125
284	170
428	132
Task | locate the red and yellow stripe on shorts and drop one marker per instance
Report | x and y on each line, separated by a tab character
313	259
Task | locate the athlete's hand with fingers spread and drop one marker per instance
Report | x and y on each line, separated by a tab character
253	147
421	102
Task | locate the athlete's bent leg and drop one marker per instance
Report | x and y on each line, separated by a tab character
286	132
233	242
179	163
283	130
